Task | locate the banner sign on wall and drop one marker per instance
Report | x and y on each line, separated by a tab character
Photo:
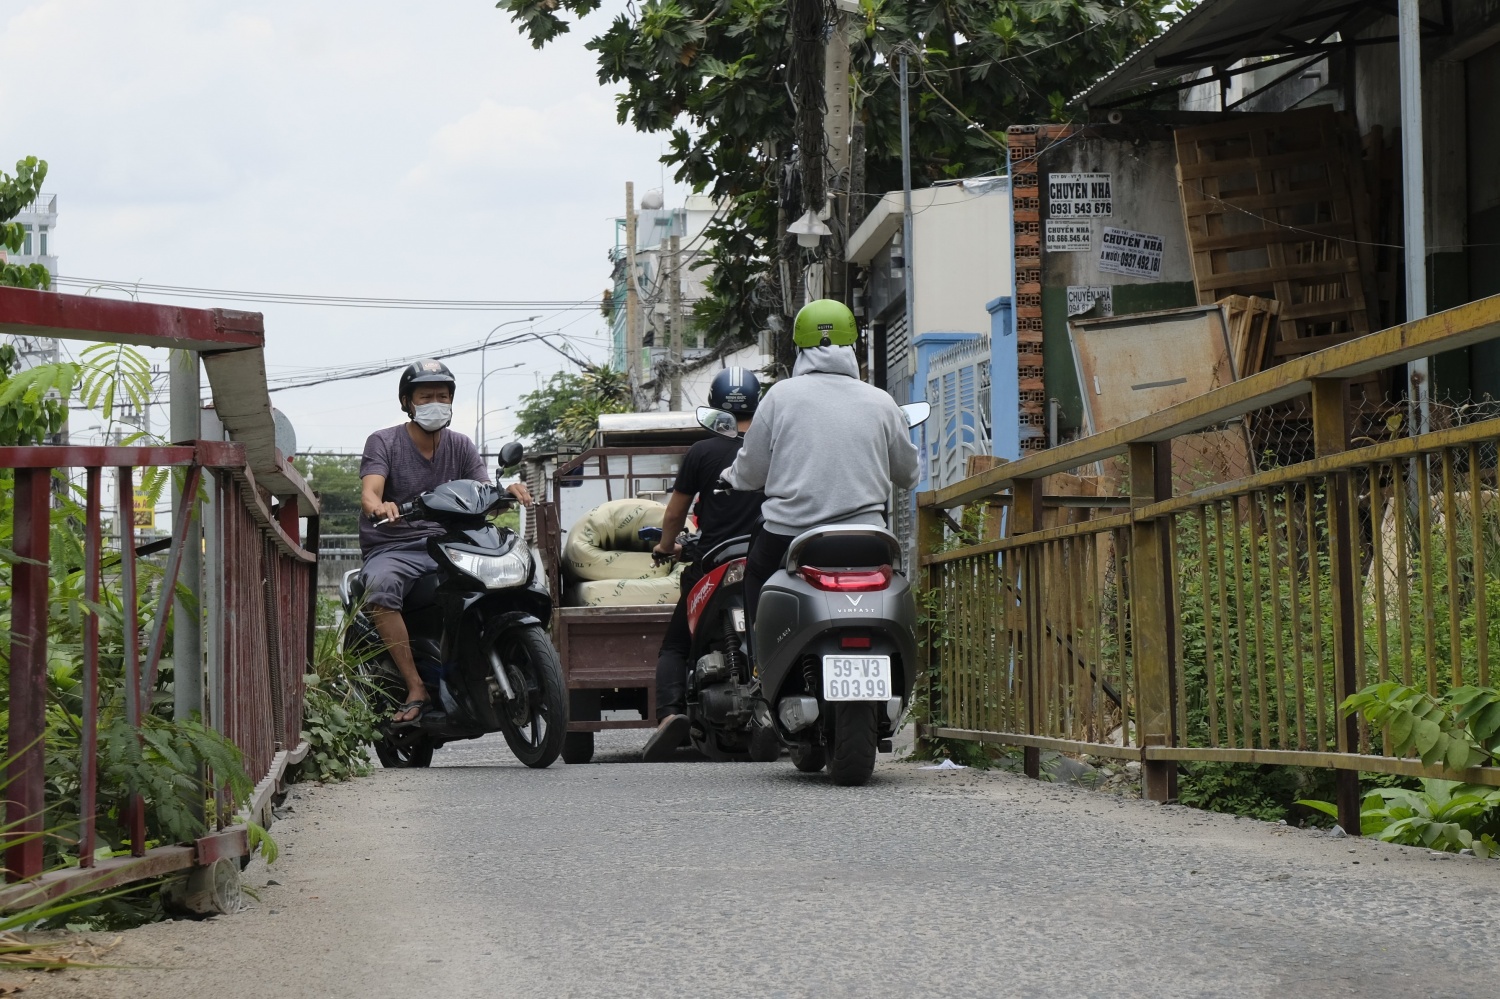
1135	253
1082	298
1080	195
1069	237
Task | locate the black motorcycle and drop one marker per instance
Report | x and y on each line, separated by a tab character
478	635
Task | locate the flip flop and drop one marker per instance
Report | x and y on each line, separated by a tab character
416	719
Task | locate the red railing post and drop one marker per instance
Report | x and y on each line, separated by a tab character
89	766
135	817
26	774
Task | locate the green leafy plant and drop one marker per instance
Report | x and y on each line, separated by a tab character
16	193
1458	729
339	721
1442	815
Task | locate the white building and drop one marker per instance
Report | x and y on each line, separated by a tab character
39	220
655	226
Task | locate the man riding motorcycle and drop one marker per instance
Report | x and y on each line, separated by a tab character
826	448
399	464
720	516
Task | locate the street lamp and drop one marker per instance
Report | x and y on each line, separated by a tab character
483	351
809	229
479	442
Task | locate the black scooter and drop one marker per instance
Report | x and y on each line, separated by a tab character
478	635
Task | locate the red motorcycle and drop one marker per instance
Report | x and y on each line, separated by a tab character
720	705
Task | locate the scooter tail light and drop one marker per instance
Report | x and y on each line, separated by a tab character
854	642
848	580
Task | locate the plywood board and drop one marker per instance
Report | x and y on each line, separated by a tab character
1132	366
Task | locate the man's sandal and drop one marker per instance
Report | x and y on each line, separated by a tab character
414	720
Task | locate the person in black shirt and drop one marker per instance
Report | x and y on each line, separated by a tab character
720	517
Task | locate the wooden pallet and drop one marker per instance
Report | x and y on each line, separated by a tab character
1275	207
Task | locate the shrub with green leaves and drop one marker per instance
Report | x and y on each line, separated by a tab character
1457	729
1443	815
338	721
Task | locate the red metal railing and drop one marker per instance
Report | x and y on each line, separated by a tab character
269	590
258	591
267	599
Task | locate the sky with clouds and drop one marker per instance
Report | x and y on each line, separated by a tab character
412	150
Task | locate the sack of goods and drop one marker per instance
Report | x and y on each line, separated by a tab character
608	564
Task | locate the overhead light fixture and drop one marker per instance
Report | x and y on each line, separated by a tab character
809	229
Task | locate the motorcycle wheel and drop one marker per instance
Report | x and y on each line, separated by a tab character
395	758
809	759
855	736
382	691
535	723
578	747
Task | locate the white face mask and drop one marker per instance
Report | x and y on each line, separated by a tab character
433	416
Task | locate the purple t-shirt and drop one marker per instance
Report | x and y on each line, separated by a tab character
392	453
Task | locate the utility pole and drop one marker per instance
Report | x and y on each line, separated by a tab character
906	239
1414	206
632	304
674	319
836	115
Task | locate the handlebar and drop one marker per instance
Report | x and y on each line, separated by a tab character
405	509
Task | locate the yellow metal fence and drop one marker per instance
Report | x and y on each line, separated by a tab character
1228	622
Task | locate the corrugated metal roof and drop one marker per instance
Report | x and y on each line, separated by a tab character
1219	33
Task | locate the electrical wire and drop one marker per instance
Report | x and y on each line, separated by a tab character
394	364
337	301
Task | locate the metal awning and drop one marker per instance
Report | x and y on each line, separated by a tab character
1217	34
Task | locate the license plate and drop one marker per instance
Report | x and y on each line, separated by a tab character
857	678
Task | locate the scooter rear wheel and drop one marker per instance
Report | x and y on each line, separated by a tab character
396	758
856	728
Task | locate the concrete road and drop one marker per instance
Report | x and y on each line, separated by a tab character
479	878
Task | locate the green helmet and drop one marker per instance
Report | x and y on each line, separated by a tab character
824	323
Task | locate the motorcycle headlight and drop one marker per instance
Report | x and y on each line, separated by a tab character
496	572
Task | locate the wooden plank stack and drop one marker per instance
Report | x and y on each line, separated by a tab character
1275	208
1250	320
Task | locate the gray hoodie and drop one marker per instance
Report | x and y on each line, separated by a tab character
825	447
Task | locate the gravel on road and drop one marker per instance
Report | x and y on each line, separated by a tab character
480	878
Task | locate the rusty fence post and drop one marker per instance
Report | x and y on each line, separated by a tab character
1151	616
929	540
1331	436
26	775
1026	517
88	782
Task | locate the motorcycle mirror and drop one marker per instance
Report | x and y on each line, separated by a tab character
917	413
722	423
511	455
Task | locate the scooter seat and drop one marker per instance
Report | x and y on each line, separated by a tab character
726	551
846	547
